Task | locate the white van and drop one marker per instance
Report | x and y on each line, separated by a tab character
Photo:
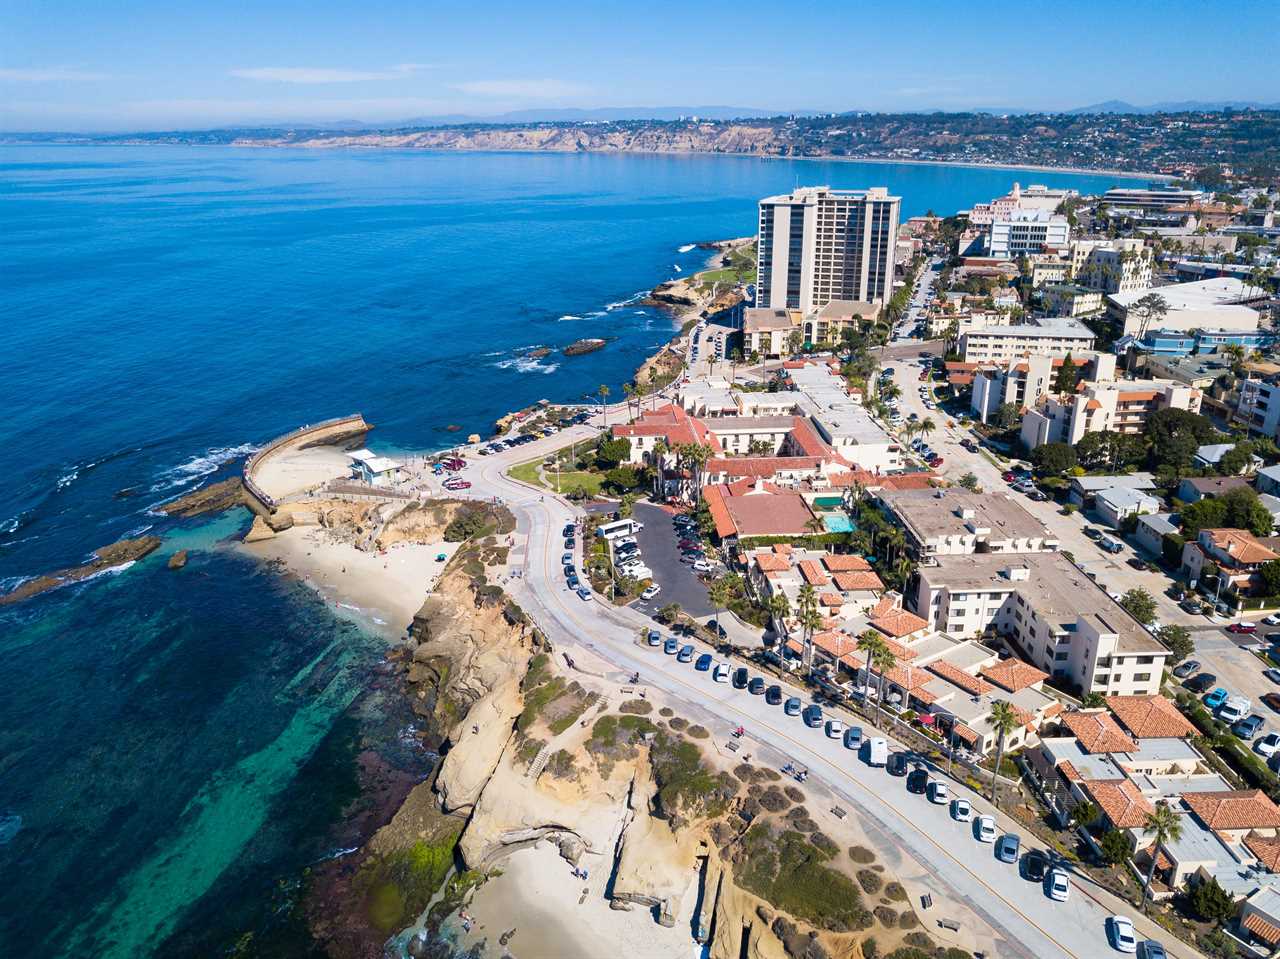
877	752
720	673
617	529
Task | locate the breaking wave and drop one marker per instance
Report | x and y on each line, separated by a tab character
527	364
686	248
201	466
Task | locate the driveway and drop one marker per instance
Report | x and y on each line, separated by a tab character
658	546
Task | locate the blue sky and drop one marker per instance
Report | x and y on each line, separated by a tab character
151	65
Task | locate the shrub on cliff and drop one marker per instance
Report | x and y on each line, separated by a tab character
787	871
687	787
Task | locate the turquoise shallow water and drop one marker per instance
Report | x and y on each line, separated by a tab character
164	737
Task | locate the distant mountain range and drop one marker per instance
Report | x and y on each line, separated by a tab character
1174	106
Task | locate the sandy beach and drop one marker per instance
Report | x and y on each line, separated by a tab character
380	590
538	896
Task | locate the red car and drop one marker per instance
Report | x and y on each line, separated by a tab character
936	462
1008	477
1242	628
1273	701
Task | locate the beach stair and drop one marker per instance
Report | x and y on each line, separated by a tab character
539	762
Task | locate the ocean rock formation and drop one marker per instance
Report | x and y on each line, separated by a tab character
178	559
108	557
208	499
258	531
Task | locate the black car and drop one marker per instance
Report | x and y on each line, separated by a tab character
570	542
1137	562
756	686
897	764
1092	532
740	677
773	695
568	530
1201	683
918	781
1183	670
1035	866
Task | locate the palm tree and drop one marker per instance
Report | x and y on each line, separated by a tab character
815	526
604	410
1004	720
632	395
926	427
809	619
779	609
884	659
697	454
1162	825
660	451
868	642
734	359
719	592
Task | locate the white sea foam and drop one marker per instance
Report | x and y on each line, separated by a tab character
137	531
201	466
380	622
109	571
633	298
527	364
66	479
349	606
687	247
570	316
11	525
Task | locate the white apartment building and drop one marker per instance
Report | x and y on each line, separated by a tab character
1024	232
818	244
1216	304
1112	266
1053	615
1054	336
1259	406
956	522
842	421
1035	197
1070	299
1026	379
1120	407
1157	197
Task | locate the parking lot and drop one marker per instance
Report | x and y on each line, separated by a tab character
658	546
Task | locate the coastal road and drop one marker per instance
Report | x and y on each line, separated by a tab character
1031	925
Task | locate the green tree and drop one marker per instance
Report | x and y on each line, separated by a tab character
1163	825
670	614
809	619
1270	573
1178	639
1068	375
626	506
1109	450
1139	604
1207	513
970	482
603	393
1150	310
1175	436
1008	415
779	609
1243	510
1115	847
622	478
1085	813
720	592
611	453
1053	459
1211	903
1004	720
883	659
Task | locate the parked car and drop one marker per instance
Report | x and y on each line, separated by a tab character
985	829
1153	950
1183	670
741	677
813	716
1007	847
1110	545
1272	620
651	591
1035	866
654	638
938	793
1216	698
1268	745
720	672
1272	701
1272	674
918	781
1234	709
671	647
1122	935
773	695
685	655
834	729
853	738
961	810
584	594
1059	885
1198	684
1191	605
704	663
897	764
1093	532
1242	628
1137	562
1248	727
792	706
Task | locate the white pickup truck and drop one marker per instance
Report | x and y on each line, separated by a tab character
1234	709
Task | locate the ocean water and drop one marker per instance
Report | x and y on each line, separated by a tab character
164	310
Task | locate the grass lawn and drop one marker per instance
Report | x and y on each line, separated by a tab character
569	479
